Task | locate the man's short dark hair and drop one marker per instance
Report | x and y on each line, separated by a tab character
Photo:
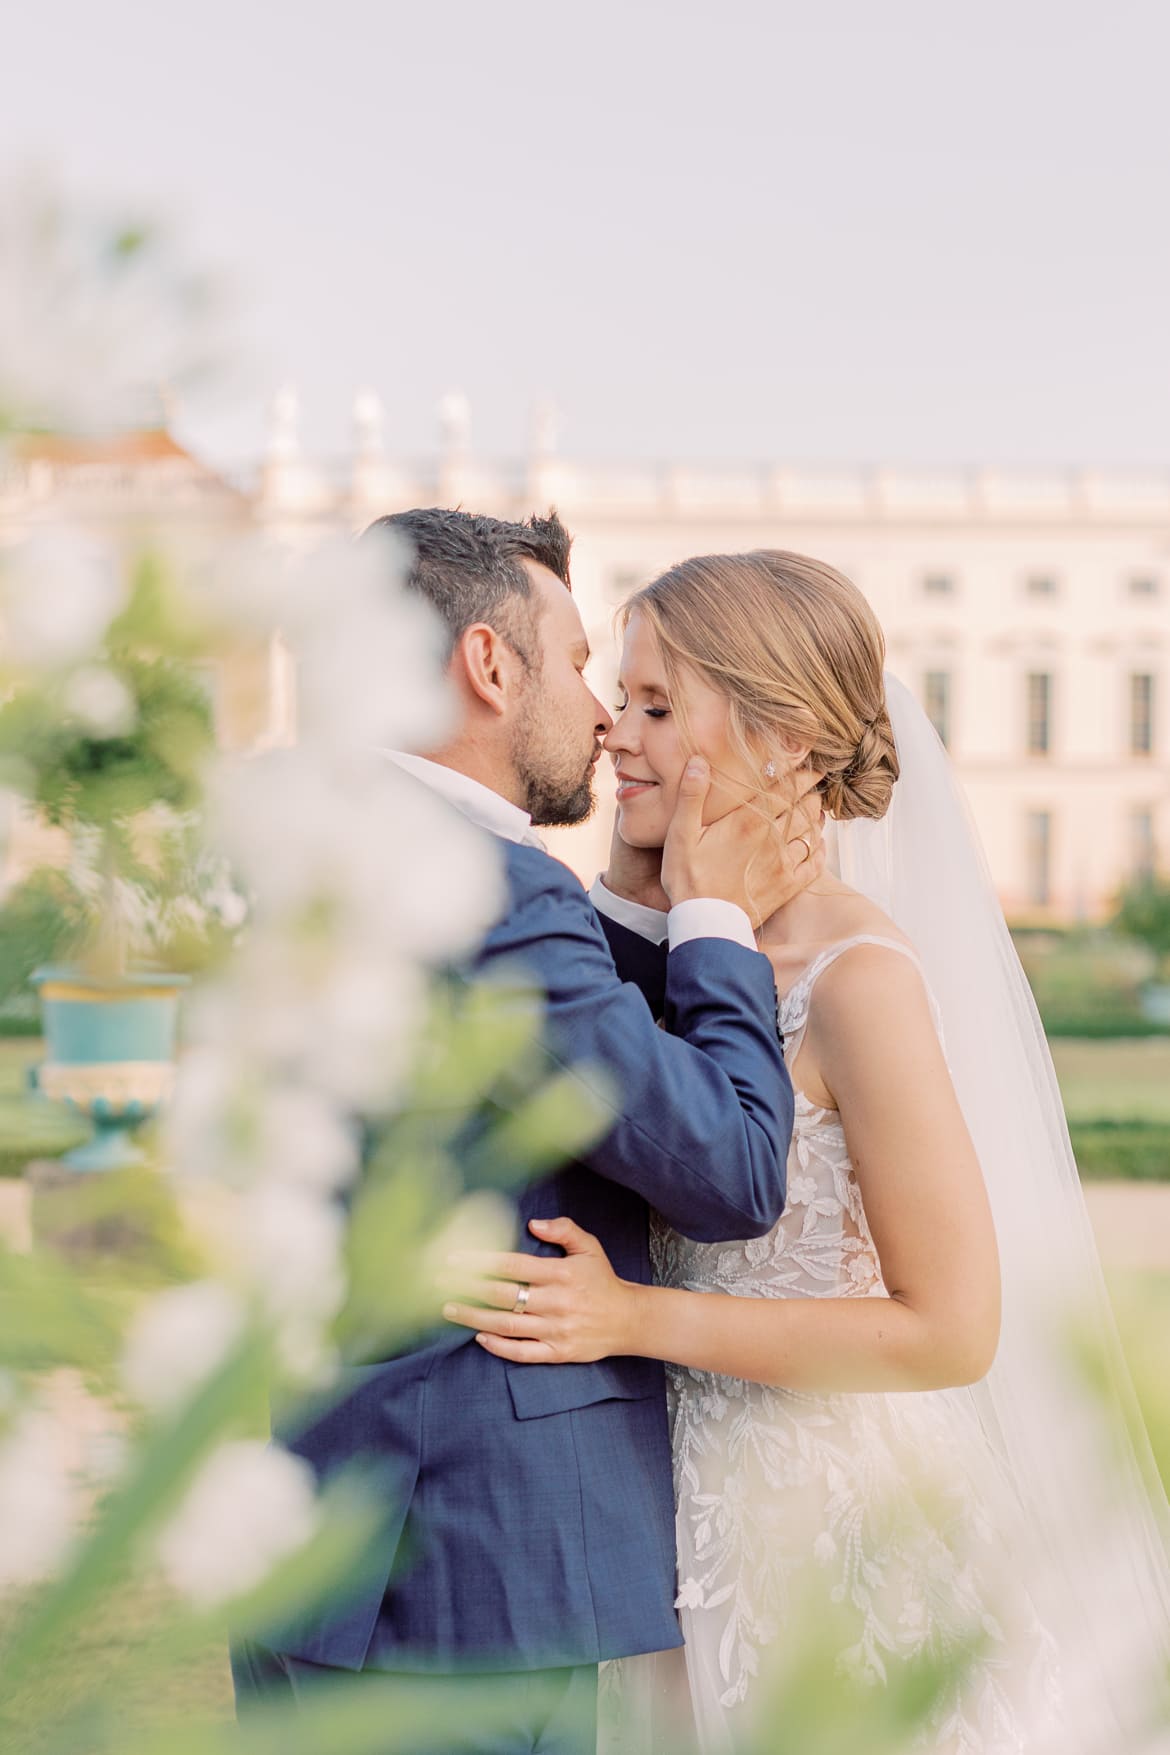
471	568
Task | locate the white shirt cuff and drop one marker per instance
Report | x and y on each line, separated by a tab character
701	917
708	917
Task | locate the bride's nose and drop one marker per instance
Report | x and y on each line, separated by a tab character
619	739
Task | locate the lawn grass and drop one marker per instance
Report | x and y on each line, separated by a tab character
30	1126
1115	1081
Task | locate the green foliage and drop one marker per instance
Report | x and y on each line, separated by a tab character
1143	913
1087	983
43	920
127	797
482	1071
1122	1151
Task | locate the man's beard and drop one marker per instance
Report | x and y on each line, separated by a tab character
555	796
553	806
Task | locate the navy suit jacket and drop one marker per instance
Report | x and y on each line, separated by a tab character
533	1521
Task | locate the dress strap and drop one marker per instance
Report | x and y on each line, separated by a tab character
793	1009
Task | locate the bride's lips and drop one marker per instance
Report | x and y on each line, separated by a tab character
631	786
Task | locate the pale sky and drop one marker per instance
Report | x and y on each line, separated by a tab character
903	231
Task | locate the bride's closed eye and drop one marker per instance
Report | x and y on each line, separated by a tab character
650	712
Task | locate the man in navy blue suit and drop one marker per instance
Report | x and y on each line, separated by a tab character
533	1526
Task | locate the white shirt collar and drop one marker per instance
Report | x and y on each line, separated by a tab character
475	800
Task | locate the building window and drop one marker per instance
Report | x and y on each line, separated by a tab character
1144	585
1143	854
939	585
936	698
1141	714
1038	831
1039	738
1042	585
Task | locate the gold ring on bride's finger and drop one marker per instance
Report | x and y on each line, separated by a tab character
523	1294
807	849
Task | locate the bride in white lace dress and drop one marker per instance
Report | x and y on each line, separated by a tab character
891	1506
845	1449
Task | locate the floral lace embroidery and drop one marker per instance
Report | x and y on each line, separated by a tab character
889	1509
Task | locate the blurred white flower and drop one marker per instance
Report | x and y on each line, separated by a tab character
232	1118
292	1241
370	656
227	904
177	1339
369	848
101	701
59	592
372	672
249	1507
305	1140
38	1508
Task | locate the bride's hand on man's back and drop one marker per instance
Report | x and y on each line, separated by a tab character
544	1309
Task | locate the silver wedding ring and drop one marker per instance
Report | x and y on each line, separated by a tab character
522	1298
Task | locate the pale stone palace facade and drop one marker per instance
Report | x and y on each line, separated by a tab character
1030	612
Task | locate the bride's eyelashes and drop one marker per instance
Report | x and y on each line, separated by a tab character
650	712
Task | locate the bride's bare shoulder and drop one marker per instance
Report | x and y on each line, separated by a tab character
848	915
861	918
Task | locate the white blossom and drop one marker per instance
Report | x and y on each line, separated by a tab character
177	1339
100	700
292	1242
38	1510
371	671
237	1119
59	591
395	863
250	1506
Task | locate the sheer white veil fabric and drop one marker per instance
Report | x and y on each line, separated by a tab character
1058	1404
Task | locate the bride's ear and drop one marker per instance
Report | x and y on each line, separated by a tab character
780	755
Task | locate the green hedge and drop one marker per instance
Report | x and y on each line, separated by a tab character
1099	1026
1122	1151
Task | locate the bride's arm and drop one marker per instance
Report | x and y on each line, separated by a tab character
878	1055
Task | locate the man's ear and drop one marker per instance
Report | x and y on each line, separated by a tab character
486	665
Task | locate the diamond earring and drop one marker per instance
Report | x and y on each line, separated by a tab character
770	771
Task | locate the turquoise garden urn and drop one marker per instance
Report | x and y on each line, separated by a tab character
110	1052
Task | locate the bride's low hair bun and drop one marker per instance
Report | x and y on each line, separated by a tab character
864	787
799	653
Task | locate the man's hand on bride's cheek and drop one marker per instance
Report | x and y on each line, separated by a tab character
575	1309
803	852
636	873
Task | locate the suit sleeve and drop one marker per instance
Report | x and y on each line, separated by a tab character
702	1111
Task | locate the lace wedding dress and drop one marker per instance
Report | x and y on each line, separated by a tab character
882	1519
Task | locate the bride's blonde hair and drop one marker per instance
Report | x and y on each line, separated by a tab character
799	654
